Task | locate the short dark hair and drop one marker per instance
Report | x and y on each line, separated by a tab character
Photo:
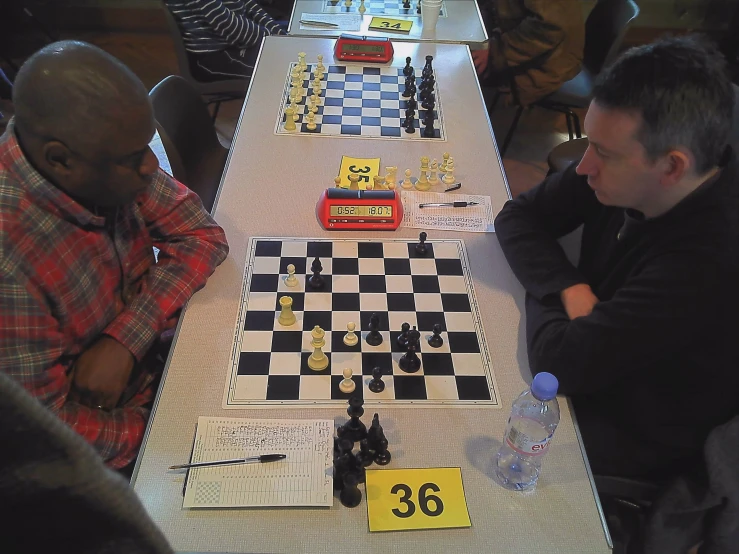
680	88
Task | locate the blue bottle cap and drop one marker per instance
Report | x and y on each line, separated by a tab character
544	386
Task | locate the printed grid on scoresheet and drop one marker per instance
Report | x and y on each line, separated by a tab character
378	7
269	363
359	101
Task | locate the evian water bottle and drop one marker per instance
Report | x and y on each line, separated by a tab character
534	417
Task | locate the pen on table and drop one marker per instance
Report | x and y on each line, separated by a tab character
318	23
266	458
448	204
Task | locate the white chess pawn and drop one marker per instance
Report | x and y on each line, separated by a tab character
294	106
318	361
424	163
347	384
351	339
317	92
290	119
362	9
311	125
378	183
348	3
313	104
433	177
287	317
301	61
423	183
291	280
337	181
320	68
449	176
407	182
354	181
444	163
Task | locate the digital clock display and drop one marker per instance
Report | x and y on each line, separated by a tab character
363	48
361	211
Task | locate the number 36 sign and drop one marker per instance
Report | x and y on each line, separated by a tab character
400	499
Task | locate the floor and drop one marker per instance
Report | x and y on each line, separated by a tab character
152	57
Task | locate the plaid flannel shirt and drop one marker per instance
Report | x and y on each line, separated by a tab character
67	277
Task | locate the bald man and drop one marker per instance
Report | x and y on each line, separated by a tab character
82	203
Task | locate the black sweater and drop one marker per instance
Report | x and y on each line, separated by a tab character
654	367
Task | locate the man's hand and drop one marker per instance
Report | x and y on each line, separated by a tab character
101	373
480	57
578	300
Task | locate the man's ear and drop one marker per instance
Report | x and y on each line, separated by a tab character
58	157
674	166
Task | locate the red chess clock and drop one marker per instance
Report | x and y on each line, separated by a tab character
359	210
356	48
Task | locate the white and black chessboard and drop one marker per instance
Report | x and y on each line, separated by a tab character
269	362
378	7
360	101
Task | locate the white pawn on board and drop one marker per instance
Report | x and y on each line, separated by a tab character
316	86
449	176
362	9
444	163
311	125
320	68
433	168
351	339
407	182
291	280
287	317
301	61
290	119
347	384
294	106
318	361
313	107
354	181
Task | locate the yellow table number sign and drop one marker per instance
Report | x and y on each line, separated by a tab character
403	499
387	24
366	168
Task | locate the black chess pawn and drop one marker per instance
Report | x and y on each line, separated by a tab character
355	429
382	456
436	340
411	104
342	464
406	4
429	103
410	112
428	116
403	336
316	280
410	90
410	362
376	385
374	338
340	434
428	130
409	125
350	495
427	69
345	446
408	69
365	456
421	246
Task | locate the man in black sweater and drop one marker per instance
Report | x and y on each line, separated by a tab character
641	334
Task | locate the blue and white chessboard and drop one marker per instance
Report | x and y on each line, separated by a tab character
378	7
360	101
387	277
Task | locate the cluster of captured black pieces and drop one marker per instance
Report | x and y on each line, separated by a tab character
409	339
425	95
349	466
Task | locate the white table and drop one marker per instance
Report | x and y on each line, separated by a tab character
462	25
270	188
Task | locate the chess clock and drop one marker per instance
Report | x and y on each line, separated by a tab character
356	210
355	48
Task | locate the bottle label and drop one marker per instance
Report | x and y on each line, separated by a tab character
522	443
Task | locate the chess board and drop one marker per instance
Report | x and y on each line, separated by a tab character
377	7
360	101
269	361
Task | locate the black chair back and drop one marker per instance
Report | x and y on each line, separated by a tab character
604	32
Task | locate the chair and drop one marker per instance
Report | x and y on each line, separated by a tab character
605	28
571	151
189	137
215	92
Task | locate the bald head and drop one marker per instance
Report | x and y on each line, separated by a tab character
75	92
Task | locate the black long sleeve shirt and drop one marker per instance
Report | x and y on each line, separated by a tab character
656	360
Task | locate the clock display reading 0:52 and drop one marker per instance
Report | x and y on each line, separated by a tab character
362	211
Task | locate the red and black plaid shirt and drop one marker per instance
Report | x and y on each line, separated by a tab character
66	278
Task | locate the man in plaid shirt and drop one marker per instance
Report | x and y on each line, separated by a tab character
82	204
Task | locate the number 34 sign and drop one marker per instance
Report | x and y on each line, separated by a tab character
400	499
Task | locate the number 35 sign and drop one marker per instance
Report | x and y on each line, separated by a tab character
400	499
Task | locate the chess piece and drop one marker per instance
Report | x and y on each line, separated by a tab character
406	4
378	183
423	183
365	456
351	339
410	362
409	125
318	361
435	340
342	465
314	103
449	176
294	106
374	338
391	176
407	182
411	104
301	61
429	104
427	69
316	280
376	385
418	7
289	119
424	163
408	69
375	433
354	181
445	157
433	172
320	67
348	3
311	125
421	246
428	130
287	317
403	336
350	495
362	8
291	280
355	429
347	384
382	456
337	181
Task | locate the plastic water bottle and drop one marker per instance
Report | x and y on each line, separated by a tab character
534	417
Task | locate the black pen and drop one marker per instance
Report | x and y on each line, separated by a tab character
448	204
250	460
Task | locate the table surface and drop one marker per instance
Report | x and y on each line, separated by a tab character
462	25
270	188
